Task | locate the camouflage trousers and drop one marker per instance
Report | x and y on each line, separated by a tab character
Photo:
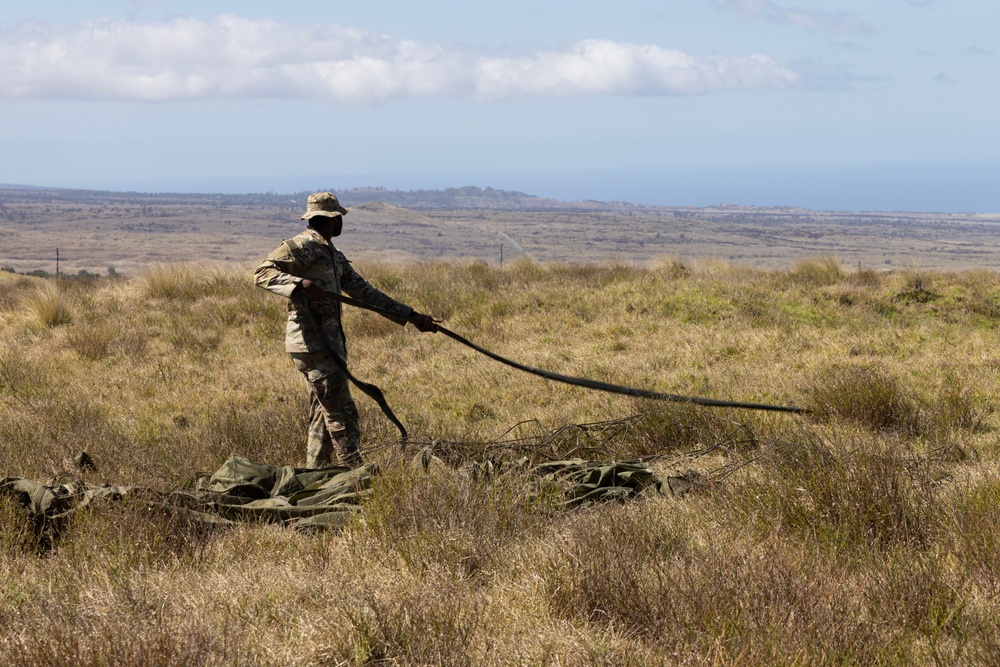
333	416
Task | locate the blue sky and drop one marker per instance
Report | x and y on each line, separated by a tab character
838	104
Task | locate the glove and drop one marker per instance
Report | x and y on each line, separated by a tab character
424	323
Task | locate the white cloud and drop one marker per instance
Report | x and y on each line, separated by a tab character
834	23
612	68
236	58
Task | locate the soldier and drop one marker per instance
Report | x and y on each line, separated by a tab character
305	269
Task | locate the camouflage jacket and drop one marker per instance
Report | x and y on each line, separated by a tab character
312	326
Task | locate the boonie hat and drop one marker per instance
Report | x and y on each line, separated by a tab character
323	203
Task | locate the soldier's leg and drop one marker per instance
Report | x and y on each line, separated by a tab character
333	423
341	417
319	444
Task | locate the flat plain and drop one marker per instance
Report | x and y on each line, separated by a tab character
95	231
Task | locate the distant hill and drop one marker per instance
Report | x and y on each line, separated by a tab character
471	198
464	198
96	231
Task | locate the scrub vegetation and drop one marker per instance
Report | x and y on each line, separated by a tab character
866	532
122	233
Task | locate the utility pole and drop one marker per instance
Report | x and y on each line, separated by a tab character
57	262
501	255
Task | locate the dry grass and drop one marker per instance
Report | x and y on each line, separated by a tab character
173	281
48	304
863	533
867	395
817	271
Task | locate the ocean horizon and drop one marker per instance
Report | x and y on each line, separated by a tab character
927	187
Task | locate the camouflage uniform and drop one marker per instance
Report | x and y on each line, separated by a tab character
313	337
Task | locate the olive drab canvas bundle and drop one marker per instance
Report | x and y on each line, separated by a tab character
242	490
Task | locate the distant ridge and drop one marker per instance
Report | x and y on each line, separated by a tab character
129	230
471	198
464	198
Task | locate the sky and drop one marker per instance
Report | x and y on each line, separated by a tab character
840	104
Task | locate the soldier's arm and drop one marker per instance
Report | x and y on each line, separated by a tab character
359	288
280	272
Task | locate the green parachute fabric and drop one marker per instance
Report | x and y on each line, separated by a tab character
306	498
599	480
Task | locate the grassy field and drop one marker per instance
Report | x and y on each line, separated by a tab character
863	533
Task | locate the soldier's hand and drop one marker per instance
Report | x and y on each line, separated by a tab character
312	290
425	323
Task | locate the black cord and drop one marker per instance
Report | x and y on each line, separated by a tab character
371	390
579	382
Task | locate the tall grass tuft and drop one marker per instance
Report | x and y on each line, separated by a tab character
685	427
721	599
49	306
918	287
452	520
868	395
869	278
673	268
816	271
870	498
22	377
981	293
52	428
142	530
434	622
172	281
974	528
226	281
269	432
150	638
18	533
91	342
614	567
957	403
12	290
